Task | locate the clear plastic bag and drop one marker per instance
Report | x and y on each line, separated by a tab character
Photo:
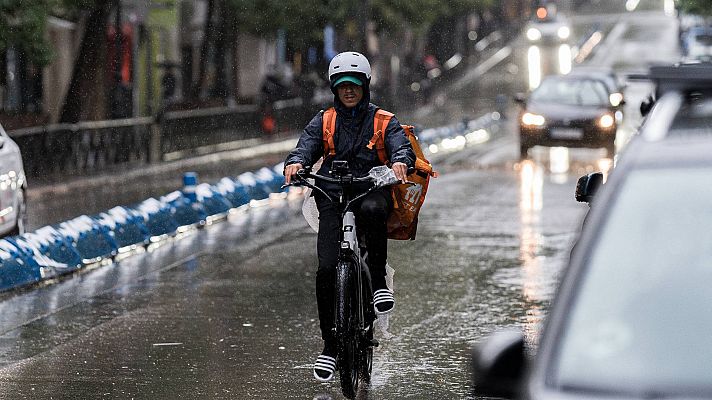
382	175
309	210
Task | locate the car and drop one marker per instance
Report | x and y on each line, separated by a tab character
697	43
616	87
568	110
548	26
630	318
13	185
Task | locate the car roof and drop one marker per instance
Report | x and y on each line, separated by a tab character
607	75
577	77
598	71
700	29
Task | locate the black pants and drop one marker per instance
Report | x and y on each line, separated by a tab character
371	216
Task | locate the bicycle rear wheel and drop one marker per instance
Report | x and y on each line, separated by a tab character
348	359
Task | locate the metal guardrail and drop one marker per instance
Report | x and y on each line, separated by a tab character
85	146
94	146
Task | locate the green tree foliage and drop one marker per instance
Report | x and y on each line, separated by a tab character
22	27
304	20
23	24
698	7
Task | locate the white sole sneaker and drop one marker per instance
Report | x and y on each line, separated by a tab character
382	296
325	364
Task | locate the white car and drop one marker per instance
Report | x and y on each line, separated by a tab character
13	214
548	26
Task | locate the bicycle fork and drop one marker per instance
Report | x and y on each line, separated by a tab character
350	248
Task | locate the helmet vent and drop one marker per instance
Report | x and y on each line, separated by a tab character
354	65
336	67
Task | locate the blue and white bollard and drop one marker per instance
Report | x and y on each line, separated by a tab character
190	181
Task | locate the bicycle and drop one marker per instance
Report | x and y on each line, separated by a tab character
354	311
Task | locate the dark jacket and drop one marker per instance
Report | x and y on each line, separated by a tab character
354	129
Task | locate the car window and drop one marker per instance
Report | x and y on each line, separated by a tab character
641	316
704	39
584	92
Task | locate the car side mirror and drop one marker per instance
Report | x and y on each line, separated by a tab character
498	365
587	186
520	98
647	105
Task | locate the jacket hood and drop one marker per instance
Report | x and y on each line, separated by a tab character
361	108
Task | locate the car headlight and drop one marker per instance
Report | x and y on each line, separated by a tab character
615	99
533	34
533	119
606	121
564	32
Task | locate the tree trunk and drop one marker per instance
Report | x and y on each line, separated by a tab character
86	96
220	88
204	52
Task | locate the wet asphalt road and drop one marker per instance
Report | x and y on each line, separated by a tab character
228	312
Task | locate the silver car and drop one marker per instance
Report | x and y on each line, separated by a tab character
631	317
12	187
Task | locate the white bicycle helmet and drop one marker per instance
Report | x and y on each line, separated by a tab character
349	61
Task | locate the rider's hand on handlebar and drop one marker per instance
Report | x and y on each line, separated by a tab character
291	170
401	171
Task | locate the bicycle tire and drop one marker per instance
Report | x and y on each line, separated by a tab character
348	360
366	357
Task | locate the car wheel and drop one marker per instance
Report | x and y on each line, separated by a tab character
21	222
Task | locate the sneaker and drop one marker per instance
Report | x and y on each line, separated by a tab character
325	364
383	301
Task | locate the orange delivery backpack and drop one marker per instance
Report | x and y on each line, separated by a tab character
408	198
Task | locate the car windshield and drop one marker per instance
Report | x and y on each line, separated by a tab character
575	92
641	316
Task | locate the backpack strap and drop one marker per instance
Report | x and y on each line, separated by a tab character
380	123
328	128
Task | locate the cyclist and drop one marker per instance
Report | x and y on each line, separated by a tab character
349	78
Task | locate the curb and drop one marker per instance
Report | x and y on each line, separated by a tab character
89	241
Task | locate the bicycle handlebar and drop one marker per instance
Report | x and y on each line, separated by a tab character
346	180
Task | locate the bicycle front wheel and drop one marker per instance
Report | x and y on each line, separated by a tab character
347	339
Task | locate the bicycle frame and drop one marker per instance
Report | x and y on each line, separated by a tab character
351	252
